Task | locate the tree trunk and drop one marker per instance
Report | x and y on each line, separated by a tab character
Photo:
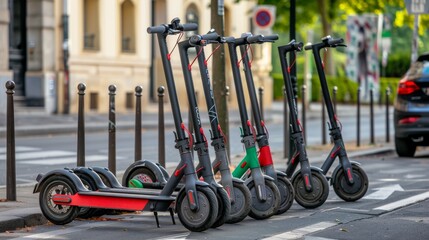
218	71
326	30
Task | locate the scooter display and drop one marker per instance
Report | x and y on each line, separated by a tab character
265	156
62	192
265	193
349	180
311	186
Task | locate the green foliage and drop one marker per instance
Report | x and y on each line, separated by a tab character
397	64
347	89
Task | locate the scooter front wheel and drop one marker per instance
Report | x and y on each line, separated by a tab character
224	208
351	192
264	209
317	196
202	218
240	208
57	214
286	193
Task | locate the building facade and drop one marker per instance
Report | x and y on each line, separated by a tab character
51	46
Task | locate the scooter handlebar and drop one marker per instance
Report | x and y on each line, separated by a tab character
308	46
262	38
199	39
174	27
189	27
157	29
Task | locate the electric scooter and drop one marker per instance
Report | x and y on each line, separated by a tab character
265	193
349	180
62	192
311	186
265	156
239	194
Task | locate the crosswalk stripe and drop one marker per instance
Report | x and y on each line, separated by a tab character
39	154
20	149
300	232
65	160
404	202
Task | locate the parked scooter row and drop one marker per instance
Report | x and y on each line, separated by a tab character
254	188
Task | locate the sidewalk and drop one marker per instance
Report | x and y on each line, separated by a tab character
25	212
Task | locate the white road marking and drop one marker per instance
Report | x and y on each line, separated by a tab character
383	193
39	154
65	160
300	232
56	233
20	149
404	202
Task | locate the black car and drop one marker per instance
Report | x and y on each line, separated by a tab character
411	114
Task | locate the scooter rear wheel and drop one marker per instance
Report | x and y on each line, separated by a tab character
224	208
264	209
287	193
57	214
202	218
240	208
90	185
143	175
351	192
317	196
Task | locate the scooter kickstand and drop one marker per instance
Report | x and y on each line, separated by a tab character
156	218
172	216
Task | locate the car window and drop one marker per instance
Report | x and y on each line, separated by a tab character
425	68
419	69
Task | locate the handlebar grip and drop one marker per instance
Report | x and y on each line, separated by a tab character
157	29
196	39
308	46
273	37
255	39
189	27
335	41
229	39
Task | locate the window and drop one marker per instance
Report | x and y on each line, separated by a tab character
91	32
128	41
192	17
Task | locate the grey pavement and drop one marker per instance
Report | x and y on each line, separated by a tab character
25	211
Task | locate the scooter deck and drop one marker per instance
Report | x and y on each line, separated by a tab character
111	200
137	191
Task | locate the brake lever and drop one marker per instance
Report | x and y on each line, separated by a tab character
339	45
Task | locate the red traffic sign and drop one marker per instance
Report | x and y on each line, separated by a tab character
263	17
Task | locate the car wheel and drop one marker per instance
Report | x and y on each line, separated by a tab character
404	147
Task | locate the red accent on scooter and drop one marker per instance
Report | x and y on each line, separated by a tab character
349	174
243	164
178	171
335	152
228	190
265	157
133	204
307	180
191	197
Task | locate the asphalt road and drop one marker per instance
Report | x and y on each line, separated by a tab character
395	207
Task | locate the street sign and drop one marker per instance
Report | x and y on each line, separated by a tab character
417	6
263	19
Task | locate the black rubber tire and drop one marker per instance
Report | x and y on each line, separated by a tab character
105	180
287	193
57	214
90	185
241	206
315	198
263	210
405	147
224	207
351	193
204	217
143	175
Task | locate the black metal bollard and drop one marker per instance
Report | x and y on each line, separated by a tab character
112	130
371	115
387	115
324	141
358	118
334	98
138	125
261	101
161	128
10	139
304	109
81	126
